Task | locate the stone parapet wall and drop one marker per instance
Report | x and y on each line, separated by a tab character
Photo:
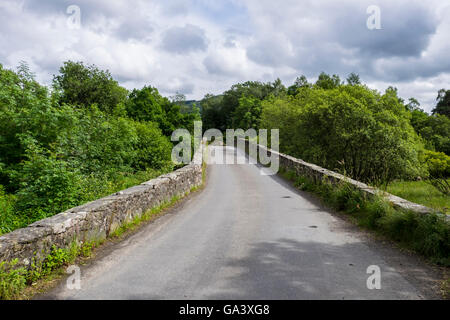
96	220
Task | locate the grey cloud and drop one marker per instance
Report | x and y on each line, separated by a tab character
406	31
271	52
230	42
215	66
90	10
304	37
185	87
140	29
334	37
184	39
176	7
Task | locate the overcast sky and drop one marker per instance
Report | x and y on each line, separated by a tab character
204	46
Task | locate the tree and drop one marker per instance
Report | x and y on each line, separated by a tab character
146	104
300	82
438	165
277	88
435	130
211	111
83	86
351	129
353	79
413	104
219	111
327	82
443	103
247	114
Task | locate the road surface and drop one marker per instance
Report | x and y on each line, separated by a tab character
249	236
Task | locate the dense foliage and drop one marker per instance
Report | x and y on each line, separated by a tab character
434	129
83	140
348	128
238	106
83	86
443	103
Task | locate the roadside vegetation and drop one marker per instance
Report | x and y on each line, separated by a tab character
421	192
83	138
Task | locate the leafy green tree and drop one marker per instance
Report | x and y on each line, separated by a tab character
353	79
247	114
153	149
82	86
351	129
47	184
327	82
25	110
413	104
438	165
435	130
219	111
147	104
300	82
52	152
443	103
211	111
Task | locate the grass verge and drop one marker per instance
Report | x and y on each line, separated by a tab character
422	193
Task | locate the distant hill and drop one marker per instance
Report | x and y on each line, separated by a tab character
189	104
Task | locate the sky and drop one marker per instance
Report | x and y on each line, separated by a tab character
195	47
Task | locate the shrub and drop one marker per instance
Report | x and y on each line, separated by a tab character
438	164
8	219
349	128
12	280
153	149
47	185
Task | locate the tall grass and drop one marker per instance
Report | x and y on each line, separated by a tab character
422	193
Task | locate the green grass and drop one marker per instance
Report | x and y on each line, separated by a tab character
422	193
14	280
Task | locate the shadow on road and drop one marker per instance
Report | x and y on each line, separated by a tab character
288	269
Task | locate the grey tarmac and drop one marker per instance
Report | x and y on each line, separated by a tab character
251	236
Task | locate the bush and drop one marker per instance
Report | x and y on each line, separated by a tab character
12	280
47	185
350	129
8	219
438	165
153	149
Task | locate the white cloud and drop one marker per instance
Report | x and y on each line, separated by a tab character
202	46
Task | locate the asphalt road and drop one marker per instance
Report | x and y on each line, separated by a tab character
250	236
